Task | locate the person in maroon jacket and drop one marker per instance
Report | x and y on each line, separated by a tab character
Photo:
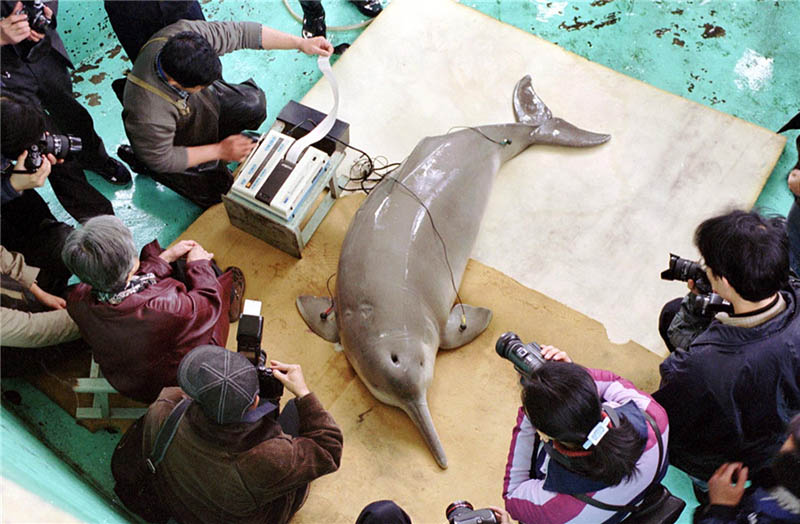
141	315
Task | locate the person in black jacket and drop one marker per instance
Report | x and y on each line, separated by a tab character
35	68
776	503
732	389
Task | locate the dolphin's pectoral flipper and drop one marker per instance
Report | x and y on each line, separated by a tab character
477	320
312	309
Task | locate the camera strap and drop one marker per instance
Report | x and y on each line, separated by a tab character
561	459
165	435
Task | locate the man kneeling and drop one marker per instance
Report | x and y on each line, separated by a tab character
231	459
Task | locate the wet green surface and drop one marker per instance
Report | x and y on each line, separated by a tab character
739	57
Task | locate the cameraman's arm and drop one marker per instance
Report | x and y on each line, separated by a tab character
687	324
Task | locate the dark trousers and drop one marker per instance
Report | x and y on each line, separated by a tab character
47	83
27	226
668	312
312	8
135	21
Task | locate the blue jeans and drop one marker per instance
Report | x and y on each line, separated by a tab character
793	230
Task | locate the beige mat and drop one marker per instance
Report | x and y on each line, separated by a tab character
591	228
473	398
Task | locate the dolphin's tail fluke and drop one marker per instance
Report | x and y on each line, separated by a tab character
419	413
530	109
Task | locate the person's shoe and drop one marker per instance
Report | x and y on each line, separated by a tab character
112	170
370	8
125	153
237	294
314	26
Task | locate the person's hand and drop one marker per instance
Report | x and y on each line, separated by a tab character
794	181
171	254
235	147
35	36
46	299
316	46
22	181
721	488
198	253
291	376
501	515
692	287
14	28
553	353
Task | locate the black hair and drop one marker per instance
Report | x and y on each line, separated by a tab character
190	60
750	250
561	401
21	126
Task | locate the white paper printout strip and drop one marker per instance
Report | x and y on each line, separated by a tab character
322	129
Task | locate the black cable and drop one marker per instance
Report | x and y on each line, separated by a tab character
390	168
324	315
463	325
504	142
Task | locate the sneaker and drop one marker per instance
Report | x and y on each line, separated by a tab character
314	26
237	294
113	171
370	8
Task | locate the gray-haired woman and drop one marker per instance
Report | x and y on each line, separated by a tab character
136	315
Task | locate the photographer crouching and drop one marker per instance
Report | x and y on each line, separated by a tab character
231	459
734	375
587	447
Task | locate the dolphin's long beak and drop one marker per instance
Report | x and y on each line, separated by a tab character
419	413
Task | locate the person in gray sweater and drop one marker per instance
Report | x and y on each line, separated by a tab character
182	119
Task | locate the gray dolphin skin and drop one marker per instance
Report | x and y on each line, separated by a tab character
406	250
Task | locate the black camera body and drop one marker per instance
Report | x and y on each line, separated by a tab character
527	358
706	303
709	305
37	20
684	270
60	146
462	512
248	340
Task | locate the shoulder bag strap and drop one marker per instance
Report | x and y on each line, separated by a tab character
165	435
612	507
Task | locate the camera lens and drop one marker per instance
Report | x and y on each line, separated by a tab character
456	508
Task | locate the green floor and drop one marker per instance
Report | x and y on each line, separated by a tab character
738	57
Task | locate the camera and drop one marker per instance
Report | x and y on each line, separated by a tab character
37	20
709	305
462	512
527	358
685	270
248	340
59	146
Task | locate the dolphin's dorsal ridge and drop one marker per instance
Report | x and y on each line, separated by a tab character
477	320
311	308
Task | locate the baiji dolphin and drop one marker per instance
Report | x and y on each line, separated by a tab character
406	250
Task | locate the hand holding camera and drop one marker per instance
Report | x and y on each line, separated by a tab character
291	376
22	179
